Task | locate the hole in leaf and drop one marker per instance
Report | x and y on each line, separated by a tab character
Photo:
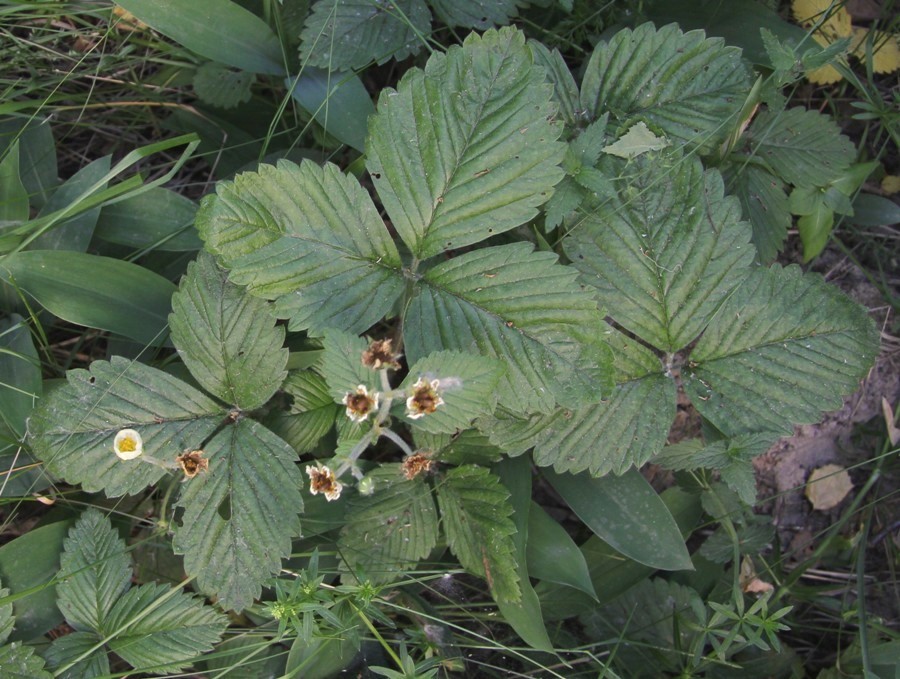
224	509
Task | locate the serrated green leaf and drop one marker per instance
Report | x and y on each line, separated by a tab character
682	84
465	149
226	338
626	512
6	617
467	384
752	539
221	86
557	73
565	199
74	427
157	629
626	429
240	515
475	513
764	204
343	367
469	446
349	34
780	352
523	308
389	531
803	147
94	572
313	411
307	236
665	251
635	142
20	662
66	650
476	14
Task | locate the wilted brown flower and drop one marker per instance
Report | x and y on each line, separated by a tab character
417	463
322	480
379	355
192	463
424	400
359	403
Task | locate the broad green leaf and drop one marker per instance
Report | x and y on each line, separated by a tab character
227	338
312	414
635	142
343	367
158	629
337	101
467	384
28	567
764	204
803	147
388	532
524	616
221	86
684	85
245	657
94	572
781	351
872	210
349	34
465	149
20	662
557	73
20	375
74	427
220	30
665	251
240	515
523	308
97	292
626	512
552	554
476	515
815	230
322	657
13	195
625	429
73	234
476	14
159	219
64	651
37	156
7	620
307	236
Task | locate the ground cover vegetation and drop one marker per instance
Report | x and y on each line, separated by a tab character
431	338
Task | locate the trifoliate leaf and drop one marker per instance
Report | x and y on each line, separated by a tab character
684	84
74	427
625	429
94	572
240	515
665	251
226	337
65	652
465	149
389	531
803	147
221	86
466	385
349	34
764	204
476	14
780	351
343	367
565	199
638	140
20	662
308	237
158	629
523	308
475	512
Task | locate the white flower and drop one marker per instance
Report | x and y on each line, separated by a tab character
128	444
424	400
322	480
360	404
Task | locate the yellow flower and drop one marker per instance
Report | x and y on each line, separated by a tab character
128	444
322	480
